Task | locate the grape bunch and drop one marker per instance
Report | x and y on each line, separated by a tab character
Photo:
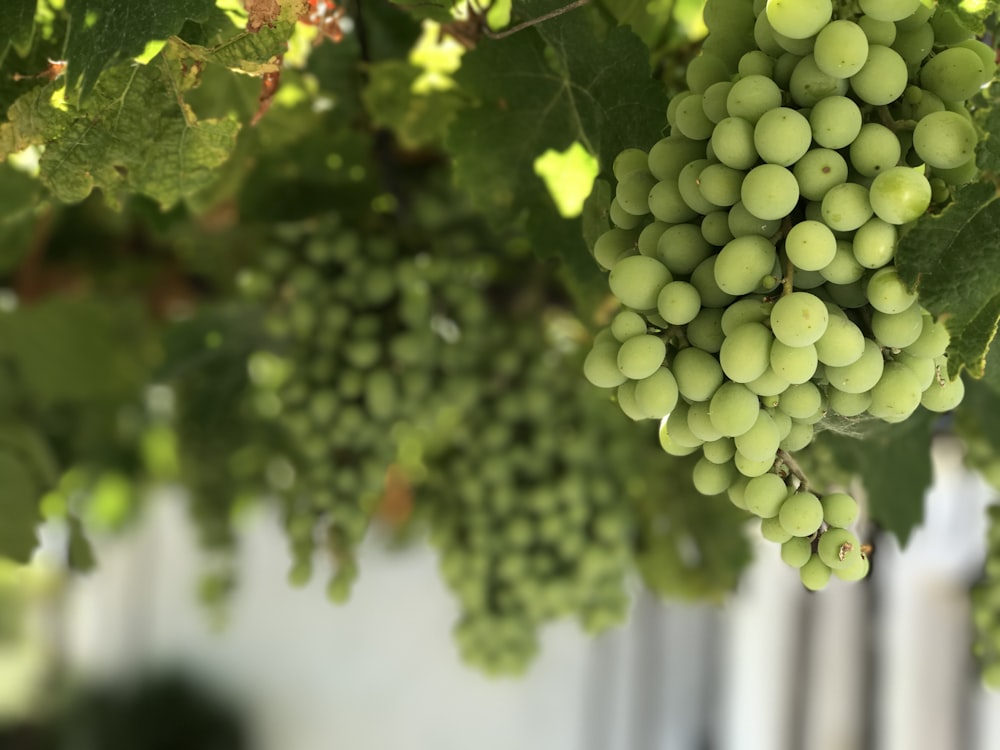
360	331
753	248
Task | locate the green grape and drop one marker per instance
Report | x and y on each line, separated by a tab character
764	495
601	366
735	492
859	376
719	451
897	330
846	207
743	263
798	437
703	279
798	19
756	62
641	356
772	530
814	574
720	185
933	340
751	97
844	268
900	195
769	191
799	318
656	395
667	204
875	150
801	514
855	572
760	442
782	135
809	85
801	401
714	103
848	404
768	384
746	310
678	427
796	551
954	74
751	468
688	182
627	324
889	10
733	408
896	395
613	245
633	192
795	364
810	245
668	156
628	161
703	71
924	369
715	228
678	302
637	281
839	509
784	67
692	122
742	223
943	396
913	45
781	420
705	331
945	140
621	218
698	374
841	50
712	479
765	38
838	548
625	396
682	248
874	243
670	445
986	53
841	344
882	78
878	32
818	171
744	353
835	122
887	292
732	142
700	423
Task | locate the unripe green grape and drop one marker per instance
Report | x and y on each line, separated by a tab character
955	74
772	531
760	442
703	71
913	45
849	296
612	245
801	47
801	401
854	572
841	344
736	490
746	310
809	85
784	67
719	451
714	102
733	409
875	150
841	49
692	122
799	318
814	574
889	10
782	136
835	122
678	428
945	140
846	207
751	97
681	248
838	548
621	218
743	223
712	479
840	510
670	445
656	395
801	514
705	331
781	420
764	495
632	193
942	397
882	78
698	374
818	171
742	263
703	279
625	396
744	353
896	395
985	52
810	245
924	369
844	268
715	228
900	195
769	384
628	161
887	292
627	324
874	243
667	204
798	19
962	175
668	156
897	330
720	185
848	404
798	437
637	281
878	32
749	467
769	191
765	37
641	356
678	302
795	364
732	142
700	423
688	182
796	551
756	62
861	375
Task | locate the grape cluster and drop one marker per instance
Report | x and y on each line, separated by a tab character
360	331
752	248
986	607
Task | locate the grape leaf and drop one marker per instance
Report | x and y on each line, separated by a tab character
103	32
544	88
952	261
418	120
894	464
17	23
18	508
249	52
134	133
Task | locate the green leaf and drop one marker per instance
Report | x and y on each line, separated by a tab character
894	464
27	469
134	133
17	23
952	260
541	89
418	120
104	32
79	554
247	52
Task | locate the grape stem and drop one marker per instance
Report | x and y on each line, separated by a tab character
787	286
534	21
894	125
794	469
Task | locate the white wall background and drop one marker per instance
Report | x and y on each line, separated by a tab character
884	666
